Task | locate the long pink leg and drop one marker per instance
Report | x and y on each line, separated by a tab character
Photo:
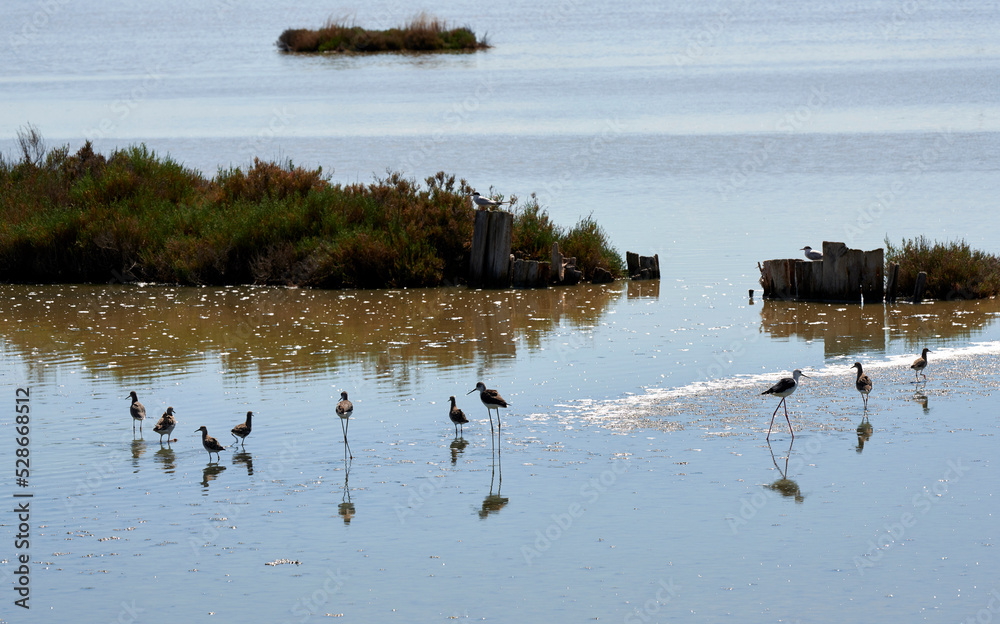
787	420
772	418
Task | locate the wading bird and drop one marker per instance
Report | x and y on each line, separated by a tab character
863	383
211	444
344	409
920	364
782	389
165	425
138	411
456	415
492	400
242	430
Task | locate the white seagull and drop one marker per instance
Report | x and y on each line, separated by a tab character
481	202
812	255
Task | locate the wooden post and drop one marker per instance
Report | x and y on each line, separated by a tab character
778	279
632	262
477	254
873	276
891	281
489	258
921	285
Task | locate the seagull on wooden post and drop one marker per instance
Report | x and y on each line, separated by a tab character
812	254
481	202
782	389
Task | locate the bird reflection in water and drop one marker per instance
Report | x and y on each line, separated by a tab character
865	432
138	448
457	448
493	503
244	458
921	398
785	486
346	508
165	457
210	472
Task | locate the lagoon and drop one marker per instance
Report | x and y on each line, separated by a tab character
633	482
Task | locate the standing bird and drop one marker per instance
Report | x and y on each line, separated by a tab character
456	415
344	409
492	400
242	430
481	202
782	389
812	255
165	425
918	365
863	383
138	411
211	444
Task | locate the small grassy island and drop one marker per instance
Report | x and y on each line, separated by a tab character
87	217
420	34
954	270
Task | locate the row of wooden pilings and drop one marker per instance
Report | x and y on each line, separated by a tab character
491	264
843	275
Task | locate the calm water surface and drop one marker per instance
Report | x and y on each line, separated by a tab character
662	501
634	482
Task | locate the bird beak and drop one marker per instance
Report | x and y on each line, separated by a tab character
471	391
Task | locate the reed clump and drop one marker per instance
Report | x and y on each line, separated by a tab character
534	232
422	33
954	270
134	214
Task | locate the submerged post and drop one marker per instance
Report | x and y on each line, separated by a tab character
919	287
890	282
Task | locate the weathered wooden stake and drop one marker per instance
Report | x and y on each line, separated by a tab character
489	258
919	287
842	275
891	280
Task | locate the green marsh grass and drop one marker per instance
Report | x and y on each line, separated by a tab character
954	270
86	217
422	33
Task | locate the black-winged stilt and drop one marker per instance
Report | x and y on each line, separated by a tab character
863	383
211	444
782	389
456	415
138	411
242	430
165	425
918	365
344	409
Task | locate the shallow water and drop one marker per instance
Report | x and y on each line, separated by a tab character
663	502
634	480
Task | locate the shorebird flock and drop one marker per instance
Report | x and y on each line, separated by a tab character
492	400
862	383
